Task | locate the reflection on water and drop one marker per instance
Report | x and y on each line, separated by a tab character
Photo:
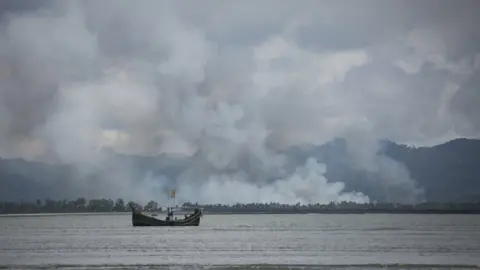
320	241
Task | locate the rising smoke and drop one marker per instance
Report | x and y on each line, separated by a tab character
228	85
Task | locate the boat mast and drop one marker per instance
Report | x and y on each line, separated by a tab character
172	196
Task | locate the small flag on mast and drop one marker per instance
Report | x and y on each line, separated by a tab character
172	193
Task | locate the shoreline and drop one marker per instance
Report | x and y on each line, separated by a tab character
273	212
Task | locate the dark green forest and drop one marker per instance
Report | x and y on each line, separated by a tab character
81	205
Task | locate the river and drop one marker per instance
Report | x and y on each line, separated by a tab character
318	241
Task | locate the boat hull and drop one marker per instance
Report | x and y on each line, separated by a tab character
141	220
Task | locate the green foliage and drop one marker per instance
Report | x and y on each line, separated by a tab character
107	205
64	206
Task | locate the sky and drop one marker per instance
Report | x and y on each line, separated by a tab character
151	77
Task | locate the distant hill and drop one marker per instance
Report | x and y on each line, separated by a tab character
448	172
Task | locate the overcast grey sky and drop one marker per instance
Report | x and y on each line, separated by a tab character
235	77
152	76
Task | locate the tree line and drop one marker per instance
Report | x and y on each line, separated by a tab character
119	205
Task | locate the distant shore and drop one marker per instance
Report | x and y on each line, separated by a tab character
96	206
270	212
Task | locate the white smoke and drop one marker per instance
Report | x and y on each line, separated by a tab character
306	185
227	84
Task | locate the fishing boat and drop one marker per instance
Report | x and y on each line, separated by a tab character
142	219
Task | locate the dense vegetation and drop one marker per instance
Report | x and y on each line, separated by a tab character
81	205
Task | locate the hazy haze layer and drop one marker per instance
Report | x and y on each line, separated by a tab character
233	83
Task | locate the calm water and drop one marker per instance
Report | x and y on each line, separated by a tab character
321	241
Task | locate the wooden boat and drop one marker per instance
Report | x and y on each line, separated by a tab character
142	219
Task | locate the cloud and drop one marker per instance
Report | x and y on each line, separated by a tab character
464	104
222	80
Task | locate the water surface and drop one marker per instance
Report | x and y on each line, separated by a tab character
319	241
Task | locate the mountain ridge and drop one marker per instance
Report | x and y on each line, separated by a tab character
447	172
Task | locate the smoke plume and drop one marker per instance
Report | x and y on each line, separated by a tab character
230	86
